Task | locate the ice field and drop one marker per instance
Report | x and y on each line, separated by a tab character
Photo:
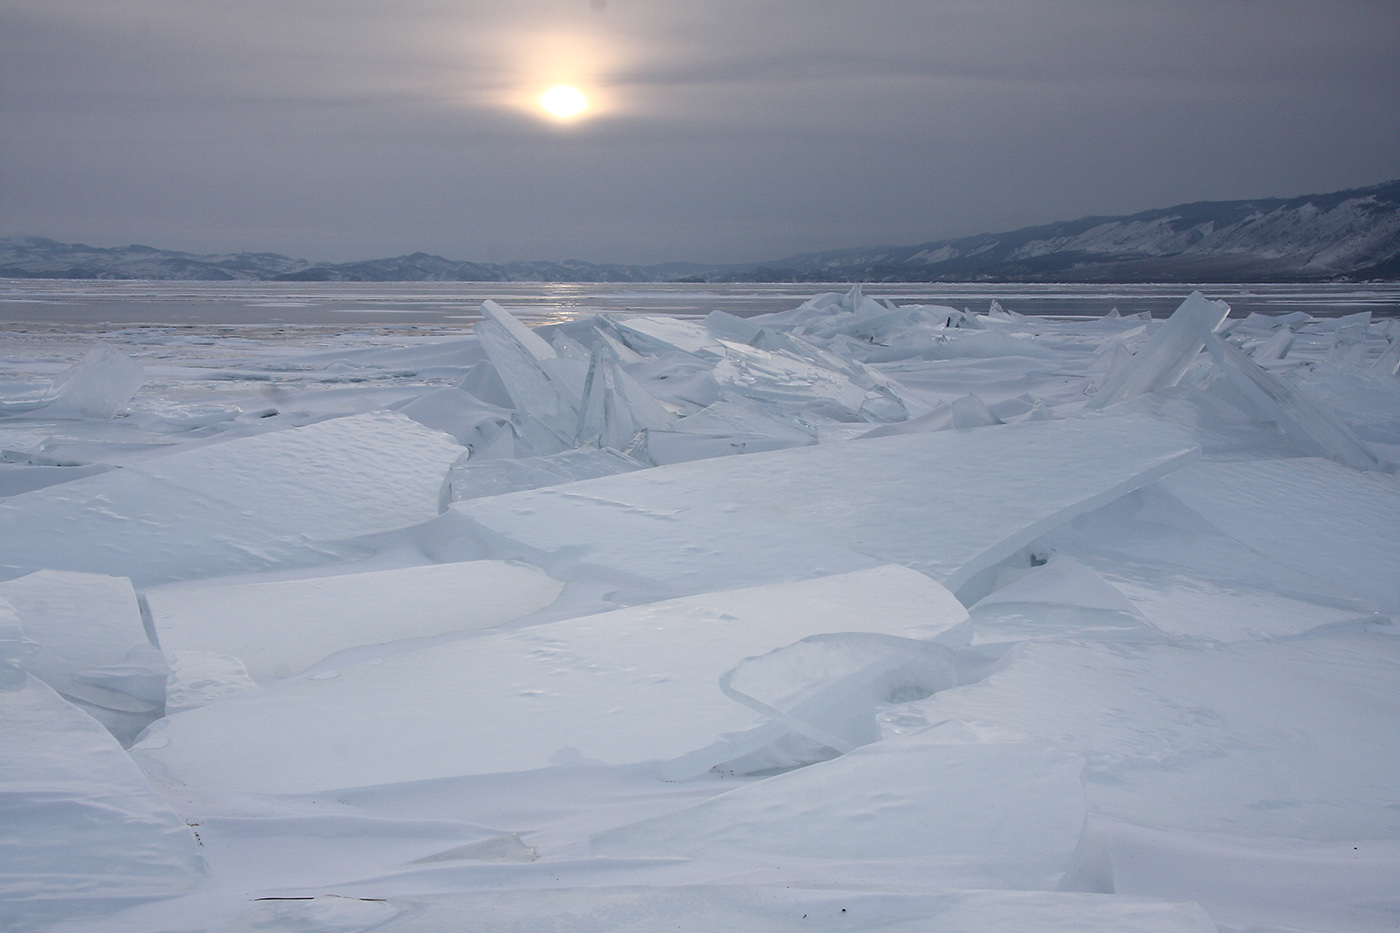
837	612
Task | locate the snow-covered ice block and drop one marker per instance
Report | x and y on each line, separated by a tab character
470	422
827	687
1310	426
1060	599
986	814
97	388
633	685
949	504
1061	581
706	908
1291	739
1179	605
473	479
1321	518
1247	882
280	628
971	412
83	831
245	504
1164	359
200	677
81	623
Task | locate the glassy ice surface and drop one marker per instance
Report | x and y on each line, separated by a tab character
725	607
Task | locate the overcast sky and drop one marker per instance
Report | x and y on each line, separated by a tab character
718	131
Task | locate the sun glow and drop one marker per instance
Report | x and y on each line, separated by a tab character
564	101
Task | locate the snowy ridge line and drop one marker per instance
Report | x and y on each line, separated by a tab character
874	614
1355	232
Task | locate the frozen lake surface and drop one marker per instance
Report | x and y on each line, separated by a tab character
452	304
374	607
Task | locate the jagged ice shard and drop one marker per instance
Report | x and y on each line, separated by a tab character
1171	349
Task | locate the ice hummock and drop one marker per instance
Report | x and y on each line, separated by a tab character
1167	703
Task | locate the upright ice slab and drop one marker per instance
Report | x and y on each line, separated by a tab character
98	387
245	504
83	831
1163	360
949	504
633	685
280	628
547	390
78	624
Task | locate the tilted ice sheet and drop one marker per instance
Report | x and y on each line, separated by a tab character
78	622
988	814
1313	428
83	831
280	628
98	387
948	504
1325	519
241	505
633	685
1165	357
707	908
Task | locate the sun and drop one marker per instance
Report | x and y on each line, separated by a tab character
564	101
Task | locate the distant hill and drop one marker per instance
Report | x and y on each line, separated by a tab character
1353	234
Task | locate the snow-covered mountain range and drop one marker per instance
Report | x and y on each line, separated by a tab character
1352	234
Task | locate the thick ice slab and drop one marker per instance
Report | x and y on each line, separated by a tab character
633	685
83	831
281	628
1168	352
949	504
988	814
1322	518
81	623
706	908
245	504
